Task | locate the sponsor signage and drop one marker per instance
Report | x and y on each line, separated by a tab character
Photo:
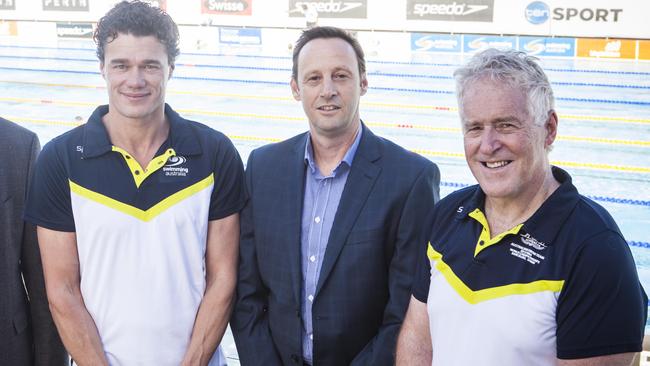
644	50
475	43
543	46
538	12
240	36
421	42
7	4
329	8
65	5
606	48
8	28
74	30
227	7
450	10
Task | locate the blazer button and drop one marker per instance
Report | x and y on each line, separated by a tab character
295	358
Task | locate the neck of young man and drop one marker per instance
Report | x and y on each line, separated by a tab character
329	150
505	213
139	137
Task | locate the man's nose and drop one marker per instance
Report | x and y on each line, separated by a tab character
135	78
328	89
490	140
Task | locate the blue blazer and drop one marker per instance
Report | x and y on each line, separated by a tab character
365	281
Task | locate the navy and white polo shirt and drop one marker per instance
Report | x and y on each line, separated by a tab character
562	284
141	233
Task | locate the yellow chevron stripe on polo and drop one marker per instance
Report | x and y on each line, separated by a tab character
144	215
474	297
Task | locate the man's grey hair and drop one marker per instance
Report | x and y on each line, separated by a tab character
515	69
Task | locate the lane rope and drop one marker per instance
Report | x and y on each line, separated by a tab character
424	152
283	83
288	58
456	130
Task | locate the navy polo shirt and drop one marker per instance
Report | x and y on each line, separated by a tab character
562	284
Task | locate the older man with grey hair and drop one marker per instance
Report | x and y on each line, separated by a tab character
520	269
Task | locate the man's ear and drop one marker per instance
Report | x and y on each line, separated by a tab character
101	70
364	84
295	90
171	71
551	128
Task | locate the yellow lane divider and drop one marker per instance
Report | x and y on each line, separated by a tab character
596	140
445	154
365	103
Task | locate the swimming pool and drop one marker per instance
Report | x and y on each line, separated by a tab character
604	110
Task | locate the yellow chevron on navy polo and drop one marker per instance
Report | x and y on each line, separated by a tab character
141	231
477	296
149	214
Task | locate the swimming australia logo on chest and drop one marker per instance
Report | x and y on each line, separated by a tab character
528	249
174	167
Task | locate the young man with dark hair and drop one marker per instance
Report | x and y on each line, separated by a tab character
331	232
138	212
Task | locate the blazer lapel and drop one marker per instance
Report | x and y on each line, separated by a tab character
362	178
296	188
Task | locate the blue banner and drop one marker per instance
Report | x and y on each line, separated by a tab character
542	46
475	43
240	36
422	42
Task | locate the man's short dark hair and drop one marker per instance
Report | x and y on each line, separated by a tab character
327	32
138	19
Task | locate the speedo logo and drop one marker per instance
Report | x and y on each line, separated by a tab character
326	6
173	168
454	8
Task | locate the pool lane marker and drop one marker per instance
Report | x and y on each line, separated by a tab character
425	152
597	140
365	103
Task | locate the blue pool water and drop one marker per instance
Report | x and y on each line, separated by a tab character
604	109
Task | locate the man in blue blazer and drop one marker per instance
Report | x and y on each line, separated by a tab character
332	229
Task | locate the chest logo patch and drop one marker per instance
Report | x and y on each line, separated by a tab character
173	167
528	249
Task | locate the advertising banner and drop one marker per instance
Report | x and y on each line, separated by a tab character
423	42
8	28
576	18
606	48
644	50
74	30
65	5
450	10
475	43
544	46
240	36
329	8
227	7
7	4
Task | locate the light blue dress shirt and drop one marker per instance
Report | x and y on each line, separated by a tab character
322	196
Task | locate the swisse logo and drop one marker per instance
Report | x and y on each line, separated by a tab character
226	6
447	9
537	12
